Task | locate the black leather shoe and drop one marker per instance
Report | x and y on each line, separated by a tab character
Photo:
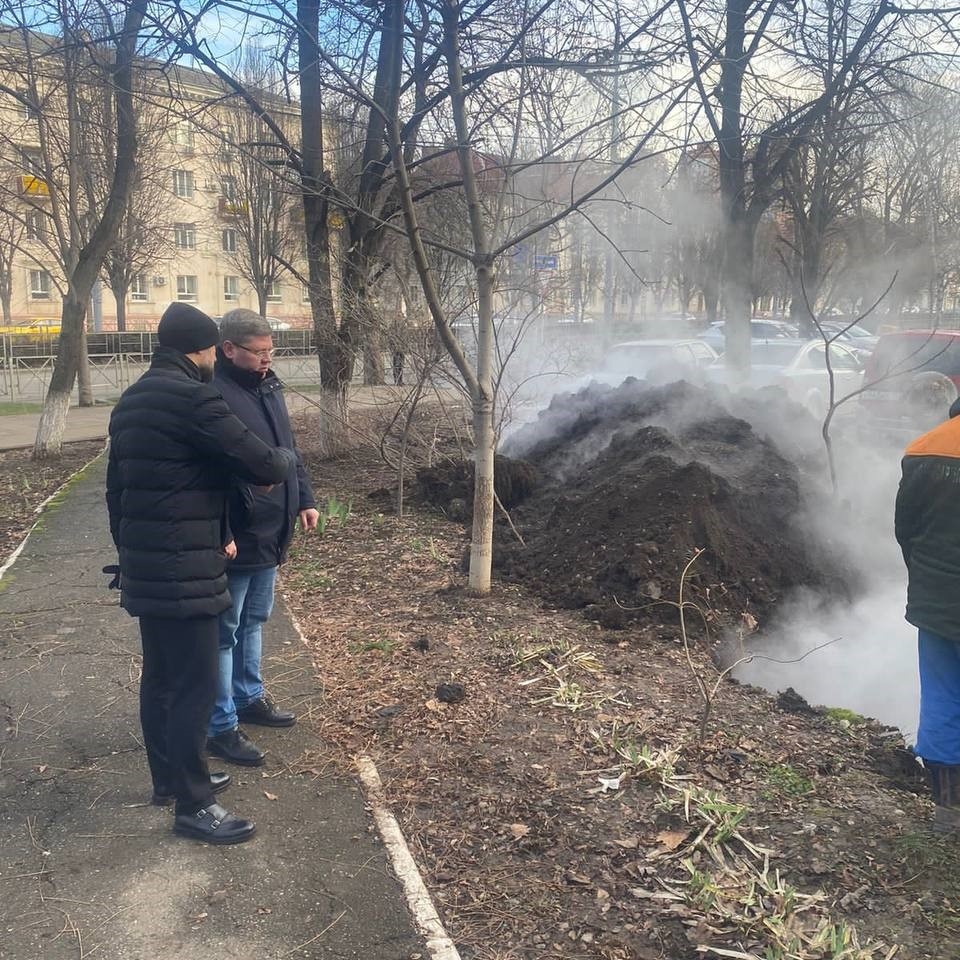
234	747
218	783
213	824
266	713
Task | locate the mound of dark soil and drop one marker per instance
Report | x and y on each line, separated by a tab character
639	480
448	486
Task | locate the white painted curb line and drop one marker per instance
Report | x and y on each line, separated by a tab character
425	914
12	559
419	901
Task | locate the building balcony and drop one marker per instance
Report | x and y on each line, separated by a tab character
232	208
33	186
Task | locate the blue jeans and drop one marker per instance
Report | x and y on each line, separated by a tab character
241	645
938	735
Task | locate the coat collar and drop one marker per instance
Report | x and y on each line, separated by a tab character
166	358
248	379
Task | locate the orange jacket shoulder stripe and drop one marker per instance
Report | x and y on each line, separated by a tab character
941	441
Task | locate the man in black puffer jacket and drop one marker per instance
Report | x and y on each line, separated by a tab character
175	449
262	523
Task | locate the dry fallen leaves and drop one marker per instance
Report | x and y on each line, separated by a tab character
671	839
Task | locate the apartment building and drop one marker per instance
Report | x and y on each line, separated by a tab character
210	219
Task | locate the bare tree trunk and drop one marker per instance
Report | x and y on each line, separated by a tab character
335	372
121	298
481	541
738	238
737	277
373	358
53	419
5	304
84	384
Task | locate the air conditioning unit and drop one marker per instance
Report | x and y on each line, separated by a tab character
159	281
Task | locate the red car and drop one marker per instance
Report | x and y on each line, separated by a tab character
913	376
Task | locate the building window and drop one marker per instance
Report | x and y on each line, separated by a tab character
186	287
32	160
183	183
40	284
229	240
306	293
185	236
183	138
138	287
231	288
36	225
228	187
25	107
273	292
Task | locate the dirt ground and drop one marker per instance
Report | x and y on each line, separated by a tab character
25	484
560	785
572	800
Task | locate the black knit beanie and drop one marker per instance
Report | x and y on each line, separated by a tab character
187	329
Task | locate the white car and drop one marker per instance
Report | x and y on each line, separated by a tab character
800	367
658	361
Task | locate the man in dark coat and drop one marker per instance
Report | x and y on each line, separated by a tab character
928	531
174	451
262	523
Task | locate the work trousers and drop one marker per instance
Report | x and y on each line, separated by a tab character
177	691
938	735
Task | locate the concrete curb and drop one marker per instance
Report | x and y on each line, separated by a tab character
421	905
38	511
419	901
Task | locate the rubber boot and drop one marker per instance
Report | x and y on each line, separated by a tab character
944	782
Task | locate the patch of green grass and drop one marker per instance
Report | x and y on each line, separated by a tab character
14	408
788	781
386	646
925	850
334	511
843	717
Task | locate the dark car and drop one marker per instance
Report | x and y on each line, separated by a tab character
912	377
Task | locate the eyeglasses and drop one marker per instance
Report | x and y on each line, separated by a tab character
259	354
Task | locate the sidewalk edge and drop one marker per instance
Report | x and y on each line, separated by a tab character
38	512
419	901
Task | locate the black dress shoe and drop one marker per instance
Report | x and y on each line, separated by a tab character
213	824
218	783
234	747
266	713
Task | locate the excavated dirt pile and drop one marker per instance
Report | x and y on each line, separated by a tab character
636	479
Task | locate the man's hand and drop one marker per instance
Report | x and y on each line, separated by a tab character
231	550
309	518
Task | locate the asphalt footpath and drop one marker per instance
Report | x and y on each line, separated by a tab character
88	868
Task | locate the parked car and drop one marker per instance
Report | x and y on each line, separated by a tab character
800	368
853	336
912	377
760	330
659	361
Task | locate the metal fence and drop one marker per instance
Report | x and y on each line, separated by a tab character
118	359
